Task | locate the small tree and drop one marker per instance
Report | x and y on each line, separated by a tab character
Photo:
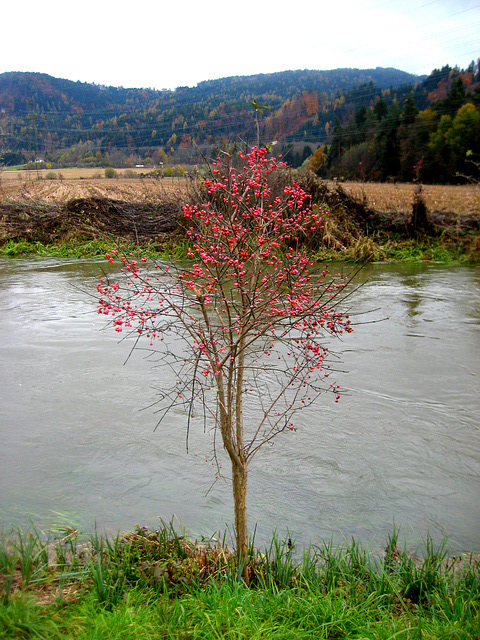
252	311
110	173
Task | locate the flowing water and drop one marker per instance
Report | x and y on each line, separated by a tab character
403	446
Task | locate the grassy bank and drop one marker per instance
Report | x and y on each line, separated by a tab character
173	249
444	248
161	585
149	221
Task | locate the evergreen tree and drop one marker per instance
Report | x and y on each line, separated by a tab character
380	109
338	142
440	151
387	143
456	97
409	111
407	139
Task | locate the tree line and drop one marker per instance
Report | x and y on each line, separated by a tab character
78	124
380	124
399	140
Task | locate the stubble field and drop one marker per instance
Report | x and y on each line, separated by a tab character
33	186
398	198
27	187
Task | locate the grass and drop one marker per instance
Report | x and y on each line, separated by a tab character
159	584
342	238
445	249
440	198
175	249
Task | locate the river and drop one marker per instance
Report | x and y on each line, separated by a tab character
402	446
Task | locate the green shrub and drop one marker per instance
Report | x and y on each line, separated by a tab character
110	173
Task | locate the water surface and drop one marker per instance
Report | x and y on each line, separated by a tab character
402	446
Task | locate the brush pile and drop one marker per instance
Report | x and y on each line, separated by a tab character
88	219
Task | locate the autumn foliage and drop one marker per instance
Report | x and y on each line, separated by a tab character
251	311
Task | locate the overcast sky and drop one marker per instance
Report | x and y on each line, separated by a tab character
171	43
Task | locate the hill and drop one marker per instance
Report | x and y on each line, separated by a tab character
73	123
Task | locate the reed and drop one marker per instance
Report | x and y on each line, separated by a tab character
160	583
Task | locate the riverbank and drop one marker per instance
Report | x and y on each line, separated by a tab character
148	584
365	223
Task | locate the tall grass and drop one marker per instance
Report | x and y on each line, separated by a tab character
148	584
366	249
175	248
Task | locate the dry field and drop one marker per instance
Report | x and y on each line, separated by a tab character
26	186
398	198
73	173
31	186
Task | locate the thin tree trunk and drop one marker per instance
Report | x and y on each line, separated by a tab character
239	482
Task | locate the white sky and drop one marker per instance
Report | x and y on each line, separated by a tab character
170	43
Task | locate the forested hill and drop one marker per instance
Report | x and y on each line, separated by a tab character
374	124
68	122
21	93
287	84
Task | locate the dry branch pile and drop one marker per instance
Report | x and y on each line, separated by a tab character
149	211
90	218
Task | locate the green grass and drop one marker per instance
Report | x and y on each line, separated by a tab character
91	248
442	249
20	248
395	249
160	584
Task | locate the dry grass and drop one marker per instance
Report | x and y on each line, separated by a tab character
398	198
72	173
31	186
61	191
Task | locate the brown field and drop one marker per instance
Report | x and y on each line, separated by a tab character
73	173
398	198
58	192
27	186
31	186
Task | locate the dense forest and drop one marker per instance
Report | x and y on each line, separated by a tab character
432	134
375	124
